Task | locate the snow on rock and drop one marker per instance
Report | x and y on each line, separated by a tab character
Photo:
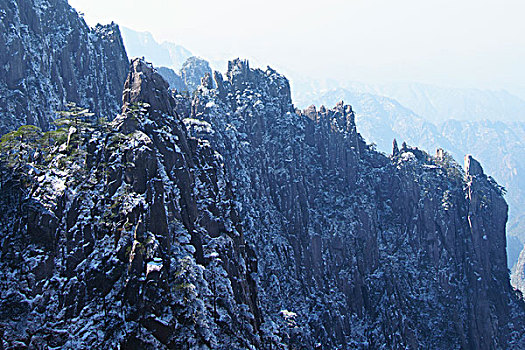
230	220
50	57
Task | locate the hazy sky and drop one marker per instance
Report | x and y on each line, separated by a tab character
463	43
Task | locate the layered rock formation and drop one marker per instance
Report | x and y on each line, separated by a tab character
49	56
133	234
499	145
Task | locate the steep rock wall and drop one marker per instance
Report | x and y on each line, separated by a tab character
49	57
360	249
124	235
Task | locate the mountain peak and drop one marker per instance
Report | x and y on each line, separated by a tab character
193	70
50	57
472	166
144	84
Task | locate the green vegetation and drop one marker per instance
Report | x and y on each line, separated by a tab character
452	168
22	146
29	145
137	111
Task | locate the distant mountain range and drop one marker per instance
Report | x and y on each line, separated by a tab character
165	54
435	103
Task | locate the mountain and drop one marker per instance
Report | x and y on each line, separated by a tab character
193	70
381	119
245	223
43	65
340	220
123	239
229	219
499	145
439	103
436	104
142	44
174	80
189	76
177	65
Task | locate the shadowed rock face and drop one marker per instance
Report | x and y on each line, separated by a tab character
134	235
229	220
49	56
472	166
365	250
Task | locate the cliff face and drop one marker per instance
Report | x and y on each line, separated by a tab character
363	250
49	56
228	219
124	234
240	222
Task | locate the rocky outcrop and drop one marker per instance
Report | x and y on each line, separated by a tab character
49	57
360	250
230	220
192	71
472	166
127	237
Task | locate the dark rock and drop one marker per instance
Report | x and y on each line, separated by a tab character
335	215
472	166
14	307
145	85
123	234
41	224
160	330
395	149
229	219
44	65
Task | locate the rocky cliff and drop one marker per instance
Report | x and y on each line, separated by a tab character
362	250
124	234
239	222
499	145
49	56
227	219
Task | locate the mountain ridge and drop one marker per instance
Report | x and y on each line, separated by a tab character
229	219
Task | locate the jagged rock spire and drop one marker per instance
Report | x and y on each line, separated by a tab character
238	71
404	147
472	166
395	149
144	84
